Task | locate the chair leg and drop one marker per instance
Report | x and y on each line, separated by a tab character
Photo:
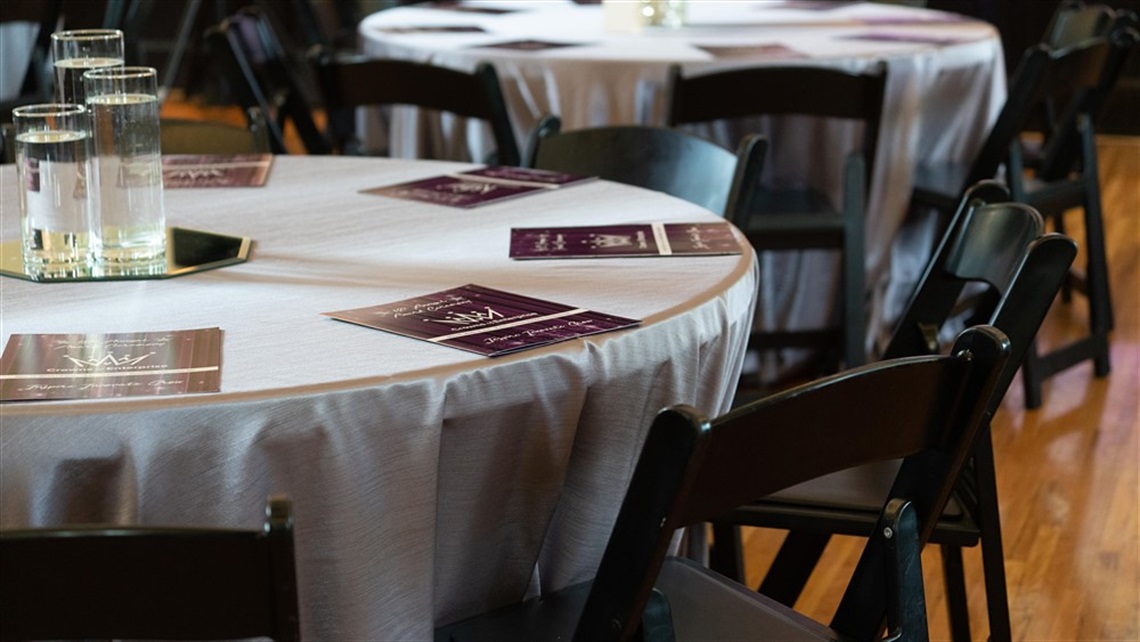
726	556
1032	376
793	566
1099	296
993	554
954	578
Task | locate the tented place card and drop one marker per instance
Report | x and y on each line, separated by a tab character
483	320
90	366
209	170
479	186
653	239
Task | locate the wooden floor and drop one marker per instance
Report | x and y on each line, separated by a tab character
1067	472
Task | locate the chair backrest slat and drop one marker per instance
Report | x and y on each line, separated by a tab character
137	582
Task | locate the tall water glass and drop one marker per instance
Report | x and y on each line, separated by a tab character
57	189
77	51
123	102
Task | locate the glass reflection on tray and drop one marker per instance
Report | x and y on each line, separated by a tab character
187	251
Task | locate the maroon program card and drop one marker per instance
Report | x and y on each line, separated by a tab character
94	366
914	38
212	170
483	320
454	191
527	45
751	51
653	239
467	8
477	187
410	29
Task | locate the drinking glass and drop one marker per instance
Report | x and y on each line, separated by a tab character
76	51
124	107
58	204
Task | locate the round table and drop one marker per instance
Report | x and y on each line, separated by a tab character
946	83
428	483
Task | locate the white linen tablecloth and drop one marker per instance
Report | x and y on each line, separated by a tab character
942	95
428	483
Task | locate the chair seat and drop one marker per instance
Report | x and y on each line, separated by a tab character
707	606
795	219
940	186
549	617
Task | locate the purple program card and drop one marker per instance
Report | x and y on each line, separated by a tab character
467	8
210	170
525	176
454	191
527	45
654	239
751	51
483	320
914	38
412	29
94	366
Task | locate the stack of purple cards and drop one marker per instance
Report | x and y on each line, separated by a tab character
92	366
653	239
483	320
479	186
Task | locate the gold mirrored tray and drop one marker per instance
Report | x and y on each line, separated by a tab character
187	252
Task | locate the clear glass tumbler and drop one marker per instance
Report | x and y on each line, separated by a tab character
58	190
74	52
124	107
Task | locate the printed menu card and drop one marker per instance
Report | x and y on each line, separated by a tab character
93	366
484	320
214	170
653	239
479	186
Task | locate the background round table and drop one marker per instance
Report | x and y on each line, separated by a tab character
946	83
428	483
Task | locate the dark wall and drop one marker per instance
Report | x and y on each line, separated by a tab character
1023	22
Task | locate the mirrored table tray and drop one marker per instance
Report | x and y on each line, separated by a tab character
187	252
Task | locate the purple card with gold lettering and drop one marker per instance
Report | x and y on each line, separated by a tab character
95	366
479	186
454	191
654	239
211	170
774	50
484	320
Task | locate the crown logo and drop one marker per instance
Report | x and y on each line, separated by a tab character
470	187
610	240
469	317
106	360
197	174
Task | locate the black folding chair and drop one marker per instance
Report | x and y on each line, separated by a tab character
691	470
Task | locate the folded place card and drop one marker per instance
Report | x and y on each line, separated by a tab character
478	187
91	366
484	320
213	170
653	239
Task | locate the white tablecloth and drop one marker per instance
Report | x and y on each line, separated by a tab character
429	483
941	98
